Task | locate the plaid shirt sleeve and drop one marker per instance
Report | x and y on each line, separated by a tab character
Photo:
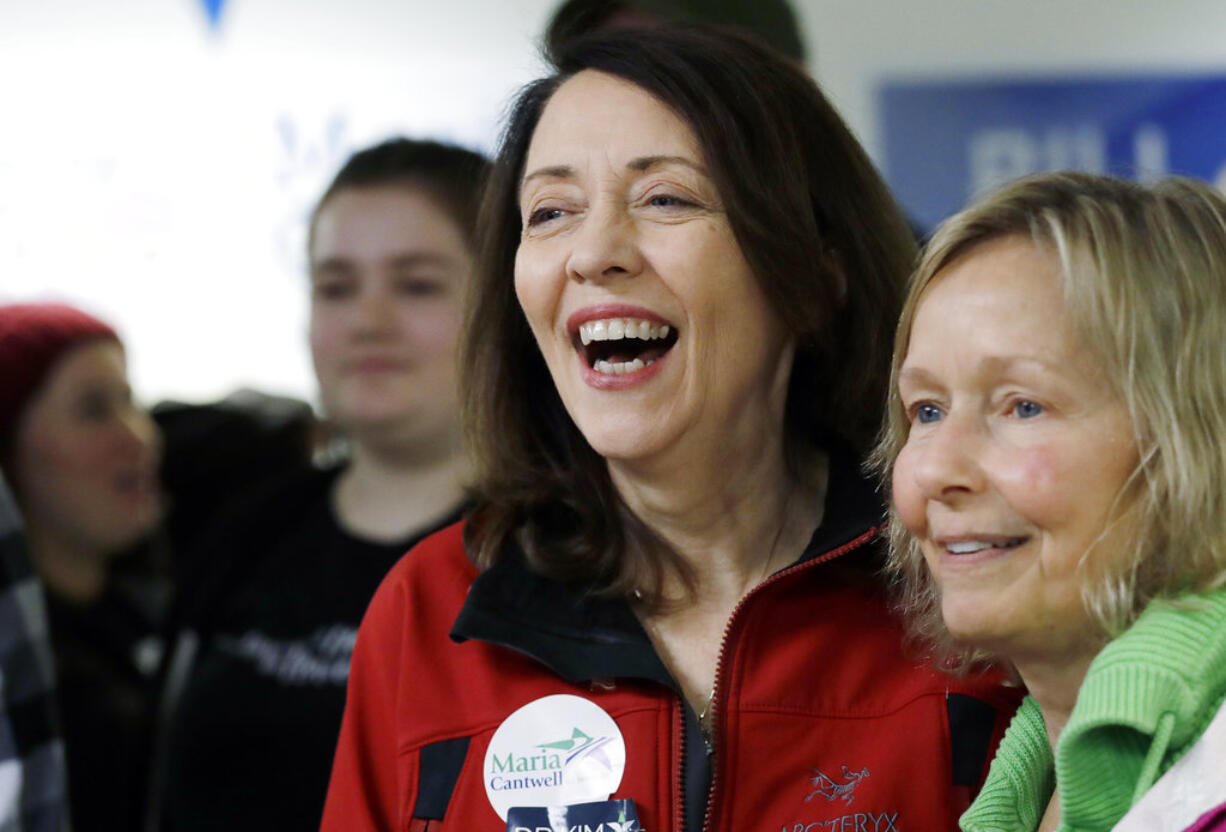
33	796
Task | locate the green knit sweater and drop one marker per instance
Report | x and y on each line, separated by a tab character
1146	699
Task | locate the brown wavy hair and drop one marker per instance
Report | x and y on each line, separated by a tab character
819	229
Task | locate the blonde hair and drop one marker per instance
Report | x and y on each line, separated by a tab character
1144	278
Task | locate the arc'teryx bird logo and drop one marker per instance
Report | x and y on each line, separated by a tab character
831	790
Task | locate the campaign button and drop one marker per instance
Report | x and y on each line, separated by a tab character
559	750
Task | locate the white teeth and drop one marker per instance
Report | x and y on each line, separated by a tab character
967	547
610	368
615	329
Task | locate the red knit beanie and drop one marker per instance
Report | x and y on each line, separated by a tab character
33	337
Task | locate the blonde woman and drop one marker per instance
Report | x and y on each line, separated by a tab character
1054	442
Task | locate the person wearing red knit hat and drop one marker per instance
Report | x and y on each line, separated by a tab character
82	459
33	336
80	455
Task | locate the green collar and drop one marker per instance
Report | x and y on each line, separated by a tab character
1146	698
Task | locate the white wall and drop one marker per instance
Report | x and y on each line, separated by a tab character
158	172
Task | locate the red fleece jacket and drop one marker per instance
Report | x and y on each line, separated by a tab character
822	722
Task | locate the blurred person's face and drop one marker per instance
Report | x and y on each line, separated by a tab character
1017	455
653	327
85	457
388	270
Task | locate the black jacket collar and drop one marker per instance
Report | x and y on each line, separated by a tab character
582	636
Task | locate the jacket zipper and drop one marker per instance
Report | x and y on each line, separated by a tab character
716	711
679	754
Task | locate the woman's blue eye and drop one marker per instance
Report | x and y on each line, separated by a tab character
926	413
1027	409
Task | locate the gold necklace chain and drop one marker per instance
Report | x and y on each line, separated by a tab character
704	722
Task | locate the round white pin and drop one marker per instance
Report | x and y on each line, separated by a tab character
554	751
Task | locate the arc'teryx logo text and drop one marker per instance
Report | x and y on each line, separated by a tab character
859	822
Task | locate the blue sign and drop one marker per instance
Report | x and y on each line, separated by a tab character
947	142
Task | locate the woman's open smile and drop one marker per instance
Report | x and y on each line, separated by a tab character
619	345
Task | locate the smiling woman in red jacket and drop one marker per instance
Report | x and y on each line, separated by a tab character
666	592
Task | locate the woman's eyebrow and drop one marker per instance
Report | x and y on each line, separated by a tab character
549	172
919	375
913	375
643	163
414	259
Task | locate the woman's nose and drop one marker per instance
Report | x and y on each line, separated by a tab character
375	312
139	433
948	463
604	247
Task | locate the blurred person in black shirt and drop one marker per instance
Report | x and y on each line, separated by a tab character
256	688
